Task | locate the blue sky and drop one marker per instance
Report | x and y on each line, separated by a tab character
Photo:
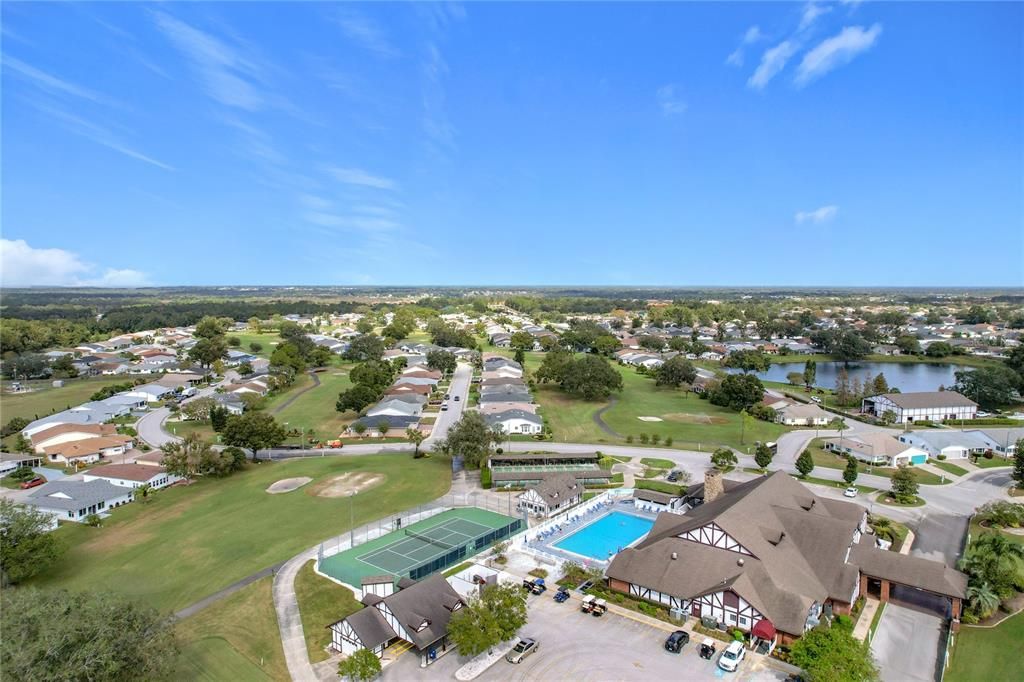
875	144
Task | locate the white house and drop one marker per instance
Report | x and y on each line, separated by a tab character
59	434
89	450
396	408
153	392
803	415
515	421
132	476
75	500
879	449
928	406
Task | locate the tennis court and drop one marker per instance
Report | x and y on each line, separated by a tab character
424	547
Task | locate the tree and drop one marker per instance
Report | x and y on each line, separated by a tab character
209	328
604	344
469	437
904	485
360	666
805	463
1018	463
357	398
198	409
28	548
832	654
748	360
554	365
185	457
219	417
449	336
991	386
376	374
13	426
982	600
359	428
591	378
996	561
364	326
383	427
908	344
287	355
851	472
810	373
255	325
723	458
365	347
253	431
416	437
763	456
489	619
255	347
651	342
234	341
64	367
207	351
795	378
977	314
522	341
939	349
61	635
442	360
878	385
737	391
675	372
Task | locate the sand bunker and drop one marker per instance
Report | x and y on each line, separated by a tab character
286	485
695	418
650	419
346	484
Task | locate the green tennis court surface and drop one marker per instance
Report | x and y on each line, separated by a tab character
423	547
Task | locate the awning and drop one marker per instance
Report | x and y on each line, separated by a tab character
763	629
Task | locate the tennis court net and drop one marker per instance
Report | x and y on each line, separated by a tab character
427	538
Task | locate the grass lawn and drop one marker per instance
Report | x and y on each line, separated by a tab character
948	467
269	341
884	498
46	400
657	463
986	653
237	639
314	409
191	541
183	429
994	462
841	485
321	602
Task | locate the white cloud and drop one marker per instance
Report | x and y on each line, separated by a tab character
22	265
772	62
735	57
669	101
812	10
351	222
366	33
835	51
753	34
51	83
226	74
357	176
817	216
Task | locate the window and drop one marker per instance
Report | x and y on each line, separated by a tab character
744	621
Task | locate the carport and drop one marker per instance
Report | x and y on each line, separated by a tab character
917	582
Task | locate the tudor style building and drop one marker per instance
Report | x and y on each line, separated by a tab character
771	558
914	407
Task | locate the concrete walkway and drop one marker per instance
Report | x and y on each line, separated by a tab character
863	627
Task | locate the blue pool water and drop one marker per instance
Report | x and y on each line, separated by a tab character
606	536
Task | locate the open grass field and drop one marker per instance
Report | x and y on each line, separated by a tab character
237	639
314	409
321	602
191	541
986	653
45	399
269	341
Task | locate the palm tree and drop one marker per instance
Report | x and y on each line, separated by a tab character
415	437
983	601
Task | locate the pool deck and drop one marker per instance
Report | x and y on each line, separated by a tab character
576	522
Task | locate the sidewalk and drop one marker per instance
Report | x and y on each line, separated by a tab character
860	631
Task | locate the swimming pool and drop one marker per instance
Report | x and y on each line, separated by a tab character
606	536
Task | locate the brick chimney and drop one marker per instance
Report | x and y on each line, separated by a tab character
713	486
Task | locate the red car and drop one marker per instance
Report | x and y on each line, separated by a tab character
38	480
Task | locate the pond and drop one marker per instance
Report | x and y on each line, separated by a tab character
908	377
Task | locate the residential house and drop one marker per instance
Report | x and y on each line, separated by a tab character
75	500
879	449
132	476
396	408
507	395
59	434
551	495
926	406
495	408
89	450
152	392
404	389
515	422
232	402
395	423
798	414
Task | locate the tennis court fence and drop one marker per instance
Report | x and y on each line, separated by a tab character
383	526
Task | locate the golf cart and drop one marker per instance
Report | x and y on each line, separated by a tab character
707	648
561	595
535	586
599	608
588	603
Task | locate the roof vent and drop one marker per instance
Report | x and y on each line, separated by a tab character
739	562
675	556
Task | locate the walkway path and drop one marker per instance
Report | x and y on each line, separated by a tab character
195	608
292	399
600	422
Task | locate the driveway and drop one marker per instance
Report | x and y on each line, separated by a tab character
907	644
575	645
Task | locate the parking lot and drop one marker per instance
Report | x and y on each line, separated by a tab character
576	645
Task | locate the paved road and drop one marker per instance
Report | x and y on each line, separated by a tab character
151	426
906	644
792	443
459	387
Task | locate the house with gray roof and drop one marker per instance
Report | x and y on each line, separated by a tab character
515	421
551	495
397	408
771	558
417	613
393	422
925	406
75	500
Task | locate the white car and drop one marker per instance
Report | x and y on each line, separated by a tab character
525	647
815	399
731	658
850	492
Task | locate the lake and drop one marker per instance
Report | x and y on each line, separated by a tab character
908	377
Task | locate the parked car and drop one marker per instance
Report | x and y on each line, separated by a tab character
561	595
520	651
850	492
731	658
447	396
673	476
676	641
457	398
815	399
444	408
37	481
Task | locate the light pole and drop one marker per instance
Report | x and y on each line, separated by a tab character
351	519
508	491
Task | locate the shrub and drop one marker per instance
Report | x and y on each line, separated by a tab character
655	439
629	438
539	573
499	451
94	520
668	442
485	477
941	458
644	438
